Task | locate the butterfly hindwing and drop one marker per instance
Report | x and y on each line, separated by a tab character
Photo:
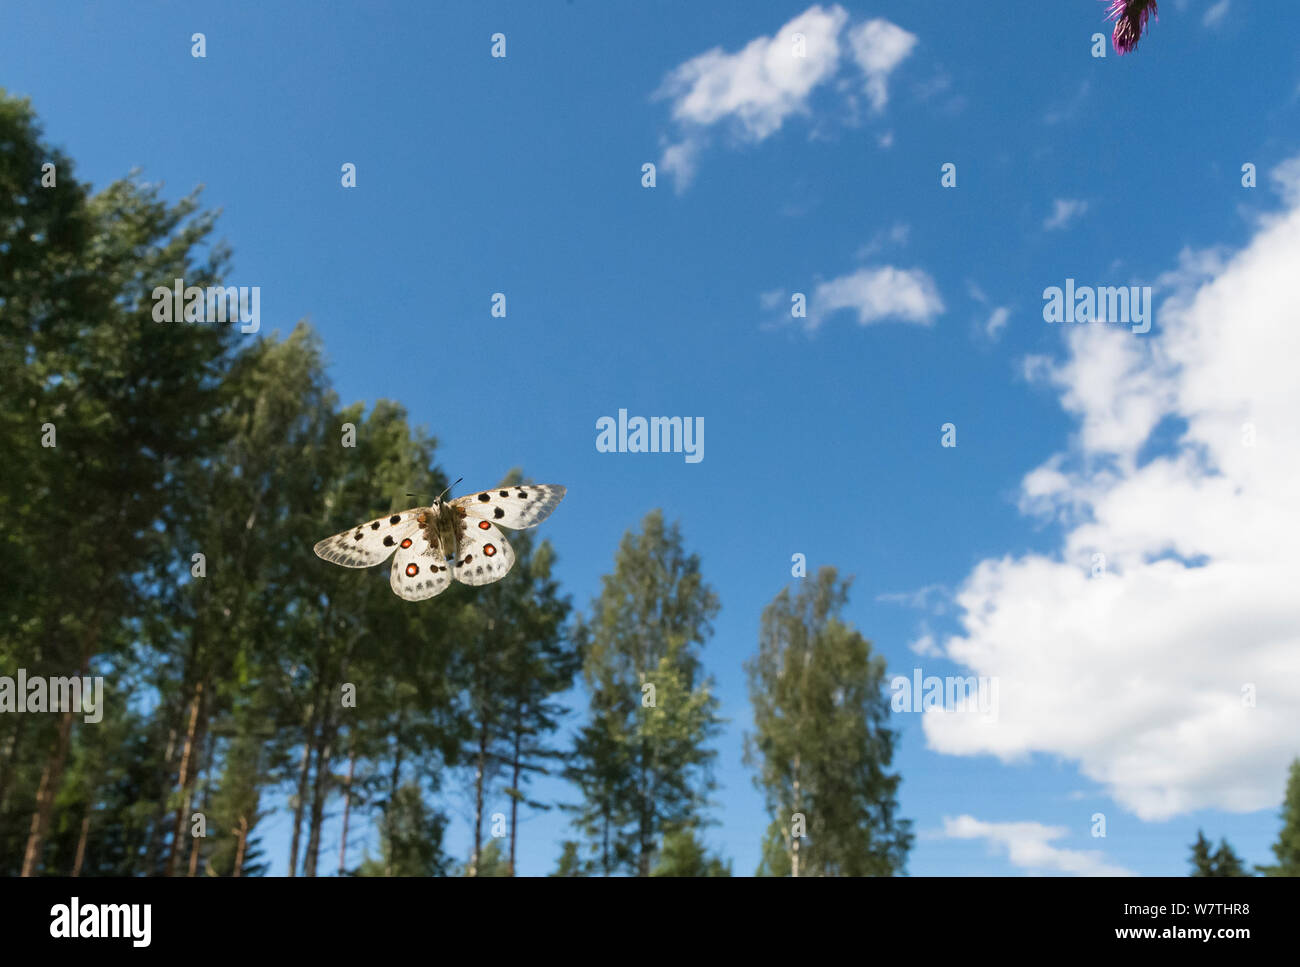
517	506
419	569
483	554
369	543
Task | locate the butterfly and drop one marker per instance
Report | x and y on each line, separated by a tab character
451	539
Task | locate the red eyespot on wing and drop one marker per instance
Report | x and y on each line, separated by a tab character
483	525
412	570
406	543
488	549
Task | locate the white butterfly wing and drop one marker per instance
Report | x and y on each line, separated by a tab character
516	507
371	542
484	554
419	569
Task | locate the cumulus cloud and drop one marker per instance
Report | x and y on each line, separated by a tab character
1158	647
1029	846
1064	211
877	294
756	90
878	47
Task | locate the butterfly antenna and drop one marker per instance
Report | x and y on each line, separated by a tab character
441	495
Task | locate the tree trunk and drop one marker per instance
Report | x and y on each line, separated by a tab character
303	773
81	843
206	769
347	805
320	791
52	775
794	840
514	800
480	766
395	778
150	865
189	763
243	845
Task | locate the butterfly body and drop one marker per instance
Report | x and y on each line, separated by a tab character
457	538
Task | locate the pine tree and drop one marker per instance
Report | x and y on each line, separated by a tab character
571	862
682	854
1287	847
124	400
1202	860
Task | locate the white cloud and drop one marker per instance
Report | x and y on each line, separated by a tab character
876	294
679	160
998	316
929	598
895	236
1064	211
1216	13
997	322
1029	846
763	84
1286	177
1137	674
878	47
756	90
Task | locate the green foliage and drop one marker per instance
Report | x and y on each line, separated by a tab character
412	842
642	766
1287	847
821	743
492	861
1221	862
682	854
571	862
225	678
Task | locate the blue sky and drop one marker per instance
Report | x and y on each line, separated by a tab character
523	175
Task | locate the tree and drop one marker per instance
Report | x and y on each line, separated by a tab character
682	854
122	399
1222	862
641	761
412	840
571	862
517	656
1202	859
491	861
821	743
1287	847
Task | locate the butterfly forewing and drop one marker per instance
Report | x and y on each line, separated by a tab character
371	542
516	507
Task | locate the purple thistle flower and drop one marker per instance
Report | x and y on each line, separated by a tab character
1130	18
